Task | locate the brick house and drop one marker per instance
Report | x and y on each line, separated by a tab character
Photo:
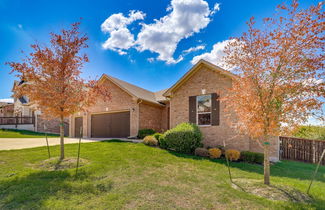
31	118
6	109
193	98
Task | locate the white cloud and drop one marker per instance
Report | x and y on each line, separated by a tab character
20	26
193	49
7	100
216	56
216	8
186	17
120	38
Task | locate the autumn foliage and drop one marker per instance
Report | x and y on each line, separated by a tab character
52	77
280	70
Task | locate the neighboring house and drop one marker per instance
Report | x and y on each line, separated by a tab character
28	117
194	98
6	109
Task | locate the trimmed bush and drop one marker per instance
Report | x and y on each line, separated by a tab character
145	132
150	141
184	138
252	157
202	152
214	153
232	154
162	142
157	136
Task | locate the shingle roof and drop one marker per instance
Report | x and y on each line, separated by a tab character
159	95
154	97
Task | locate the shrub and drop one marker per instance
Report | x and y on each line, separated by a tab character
145	132
150	141
184	138
232	154
202	152
162	142
222	148
252	157
214	153
157	136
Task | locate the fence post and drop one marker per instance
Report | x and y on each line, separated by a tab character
314	151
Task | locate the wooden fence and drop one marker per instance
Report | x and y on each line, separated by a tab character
305	150
17	120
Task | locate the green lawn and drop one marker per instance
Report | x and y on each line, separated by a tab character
126	176
10	133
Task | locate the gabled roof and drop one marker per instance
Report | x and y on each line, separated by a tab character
194	69
135	91
159	95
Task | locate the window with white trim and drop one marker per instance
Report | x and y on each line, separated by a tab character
203	109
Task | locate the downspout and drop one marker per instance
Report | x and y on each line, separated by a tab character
138	104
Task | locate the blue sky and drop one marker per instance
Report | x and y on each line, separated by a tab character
133	58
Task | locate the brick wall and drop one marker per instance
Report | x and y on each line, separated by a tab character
165	117
52	125
212	82
150	117
120	101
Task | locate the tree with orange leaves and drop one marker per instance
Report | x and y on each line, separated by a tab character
280	74
52	77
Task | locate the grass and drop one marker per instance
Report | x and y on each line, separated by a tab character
123	175
11	133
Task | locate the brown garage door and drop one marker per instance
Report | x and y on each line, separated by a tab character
78	125
110	125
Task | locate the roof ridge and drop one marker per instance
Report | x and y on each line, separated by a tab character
129	83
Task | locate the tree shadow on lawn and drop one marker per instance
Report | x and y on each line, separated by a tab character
32	190
117	141
289	169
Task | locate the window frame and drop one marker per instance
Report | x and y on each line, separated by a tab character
197	111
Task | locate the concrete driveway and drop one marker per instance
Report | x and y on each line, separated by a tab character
21	143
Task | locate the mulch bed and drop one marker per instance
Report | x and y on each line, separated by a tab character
271	192
55	164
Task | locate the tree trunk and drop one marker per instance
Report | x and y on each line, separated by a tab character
266	163
62	138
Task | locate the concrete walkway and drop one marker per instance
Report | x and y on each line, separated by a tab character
22	143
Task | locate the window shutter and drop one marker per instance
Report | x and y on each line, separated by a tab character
192	109
215	109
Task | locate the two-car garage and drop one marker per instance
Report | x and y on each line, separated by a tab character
109	125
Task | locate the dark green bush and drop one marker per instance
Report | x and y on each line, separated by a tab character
145	132
162	142
184	138
252	157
